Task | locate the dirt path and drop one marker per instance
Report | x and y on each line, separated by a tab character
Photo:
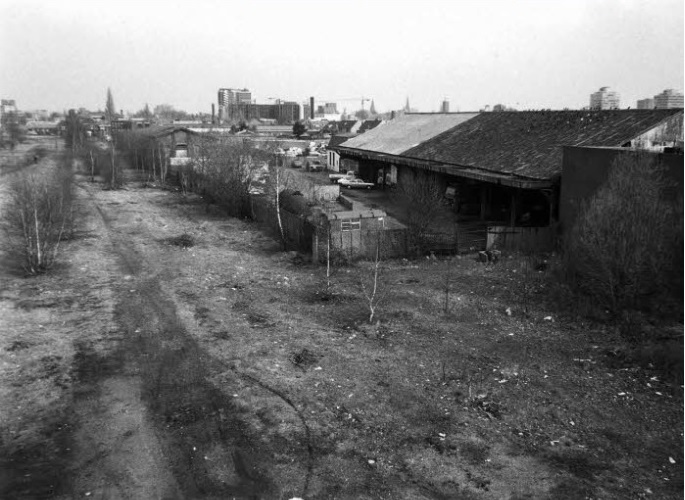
150	425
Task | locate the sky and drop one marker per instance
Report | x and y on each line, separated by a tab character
526	54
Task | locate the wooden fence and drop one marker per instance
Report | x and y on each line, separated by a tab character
520	239
298	231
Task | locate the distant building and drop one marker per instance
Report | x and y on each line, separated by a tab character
668	99
282	112
605	98
232	97
647	103
445	106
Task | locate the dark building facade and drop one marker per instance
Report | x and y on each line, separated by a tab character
284	113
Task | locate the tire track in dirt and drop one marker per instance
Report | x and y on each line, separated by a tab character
152	426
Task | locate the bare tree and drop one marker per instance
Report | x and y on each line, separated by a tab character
625	248
75	132
226	170
112	175
373	285
11	125
423	197
40	212
110	109
279	180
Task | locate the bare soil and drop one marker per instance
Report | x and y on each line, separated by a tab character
146	367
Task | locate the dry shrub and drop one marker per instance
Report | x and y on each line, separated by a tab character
112	170
625	249
184	240
39	214
224	172
422	198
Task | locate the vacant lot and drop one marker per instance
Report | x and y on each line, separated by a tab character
176	353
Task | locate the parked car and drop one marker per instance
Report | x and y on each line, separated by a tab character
280	152
315	165
313	152
297	163
355	183
351	174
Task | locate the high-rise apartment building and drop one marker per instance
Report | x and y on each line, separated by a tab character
445	106
234	96
668	99
605	98
647	103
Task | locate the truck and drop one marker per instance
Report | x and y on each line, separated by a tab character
334	178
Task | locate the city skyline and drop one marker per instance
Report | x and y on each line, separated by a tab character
523	54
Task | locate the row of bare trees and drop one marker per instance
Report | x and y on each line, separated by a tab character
144	153
39	214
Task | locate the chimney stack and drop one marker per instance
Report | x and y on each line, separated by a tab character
311	108
213	122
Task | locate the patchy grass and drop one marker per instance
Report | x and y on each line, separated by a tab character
43	321
184	240
472	402
422	404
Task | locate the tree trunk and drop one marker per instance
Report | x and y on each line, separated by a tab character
278	210
328	259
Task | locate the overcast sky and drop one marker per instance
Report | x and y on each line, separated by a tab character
529	54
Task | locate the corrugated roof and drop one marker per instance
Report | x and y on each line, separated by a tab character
529	143
407	131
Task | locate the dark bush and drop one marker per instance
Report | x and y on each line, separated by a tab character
185	240
626	247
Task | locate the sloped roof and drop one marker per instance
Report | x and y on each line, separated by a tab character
338	139
345	125
368	125
162	130
407	131
529	143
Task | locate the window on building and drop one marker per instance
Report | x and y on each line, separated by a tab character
351	224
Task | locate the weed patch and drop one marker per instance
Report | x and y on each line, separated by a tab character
184	240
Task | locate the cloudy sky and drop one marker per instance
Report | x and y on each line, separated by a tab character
528	54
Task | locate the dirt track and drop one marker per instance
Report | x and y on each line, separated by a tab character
148	418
